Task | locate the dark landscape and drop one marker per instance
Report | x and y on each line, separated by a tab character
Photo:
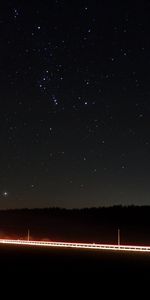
14	259
98	225
95	225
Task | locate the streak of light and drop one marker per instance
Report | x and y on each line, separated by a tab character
90	246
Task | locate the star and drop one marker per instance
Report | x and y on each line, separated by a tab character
5	194
75	99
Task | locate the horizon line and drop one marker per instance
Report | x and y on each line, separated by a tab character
78	208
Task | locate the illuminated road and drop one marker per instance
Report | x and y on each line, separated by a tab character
90	246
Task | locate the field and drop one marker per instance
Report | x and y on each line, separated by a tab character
22	259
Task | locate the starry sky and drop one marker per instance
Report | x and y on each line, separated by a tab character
74	103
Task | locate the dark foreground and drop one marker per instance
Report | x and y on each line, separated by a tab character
22	259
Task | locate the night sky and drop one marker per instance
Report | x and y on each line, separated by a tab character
74	103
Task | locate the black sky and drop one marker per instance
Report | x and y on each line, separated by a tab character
74	103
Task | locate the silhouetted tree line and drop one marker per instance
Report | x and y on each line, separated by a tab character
87	225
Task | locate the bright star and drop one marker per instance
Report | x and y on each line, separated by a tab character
5	194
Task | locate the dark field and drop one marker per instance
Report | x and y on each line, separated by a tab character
88	225
21	259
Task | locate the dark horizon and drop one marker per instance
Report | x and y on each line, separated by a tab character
98	225
115	206
74	103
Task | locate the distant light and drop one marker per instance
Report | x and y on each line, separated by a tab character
141	116
5	194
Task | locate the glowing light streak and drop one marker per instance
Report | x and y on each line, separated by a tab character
89	246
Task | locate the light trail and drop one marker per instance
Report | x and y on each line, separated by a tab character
90	246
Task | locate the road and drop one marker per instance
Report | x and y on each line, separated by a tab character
90	246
